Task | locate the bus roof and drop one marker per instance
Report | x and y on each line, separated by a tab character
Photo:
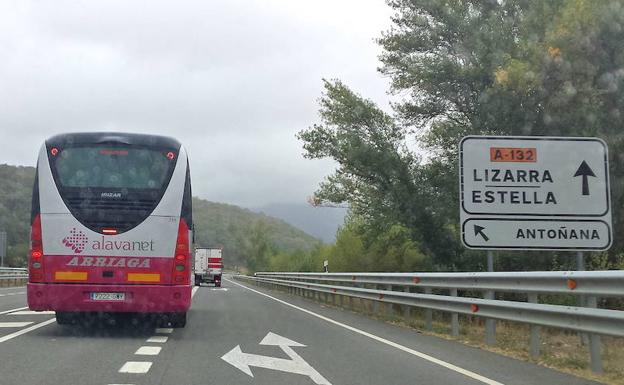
112	138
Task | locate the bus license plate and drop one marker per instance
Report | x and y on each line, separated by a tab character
108	296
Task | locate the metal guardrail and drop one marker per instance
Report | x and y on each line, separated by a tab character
13	273
589	286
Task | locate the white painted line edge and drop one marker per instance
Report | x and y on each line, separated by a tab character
32	312
158	339
416	353
14	324
148	350
137	367
195	288
28	329
164	330
12	310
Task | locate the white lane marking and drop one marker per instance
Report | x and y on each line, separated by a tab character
28	329
416	353
12	310
137	367
195	288
12	288
148	350
158	339
219	289
120	384
164	330
296	364
14	324
19	292
30	312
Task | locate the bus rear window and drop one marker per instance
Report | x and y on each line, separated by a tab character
106	167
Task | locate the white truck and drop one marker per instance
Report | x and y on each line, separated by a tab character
208	266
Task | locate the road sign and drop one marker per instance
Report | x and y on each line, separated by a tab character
296	364
544	193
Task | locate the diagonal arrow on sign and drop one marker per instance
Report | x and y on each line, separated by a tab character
241	360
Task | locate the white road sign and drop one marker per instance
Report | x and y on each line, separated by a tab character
535	193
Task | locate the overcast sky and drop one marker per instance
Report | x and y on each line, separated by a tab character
234	81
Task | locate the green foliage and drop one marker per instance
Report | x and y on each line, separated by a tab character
247	238
377	175
466	67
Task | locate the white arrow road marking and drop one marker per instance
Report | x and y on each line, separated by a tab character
13	310
30	312
237	358
14	324
416	353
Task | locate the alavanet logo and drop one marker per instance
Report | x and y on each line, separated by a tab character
78	241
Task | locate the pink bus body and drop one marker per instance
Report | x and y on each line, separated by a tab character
111	227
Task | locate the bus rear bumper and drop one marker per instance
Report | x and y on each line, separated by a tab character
138	298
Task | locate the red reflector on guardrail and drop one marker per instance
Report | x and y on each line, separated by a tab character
571	284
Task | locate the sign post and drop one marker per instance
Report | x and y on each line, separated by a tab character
3	247
535	193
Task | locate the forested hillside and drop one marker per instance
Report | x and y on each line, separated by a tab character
248	239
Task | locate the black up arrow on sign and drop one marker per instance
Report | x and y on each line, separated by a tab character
584	170
478	230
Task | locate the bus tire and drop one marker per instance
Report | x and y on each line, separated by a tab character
64	318
178	320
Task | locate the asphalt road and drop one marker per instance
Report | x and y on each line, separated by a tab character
284	339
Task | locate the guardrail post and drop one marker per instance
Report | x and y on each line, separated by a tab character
594	342
428	314
534	340
454	318
375	302
490	324
407	310
388	308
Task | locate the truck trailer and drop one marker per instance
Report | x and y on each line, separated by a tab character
208	266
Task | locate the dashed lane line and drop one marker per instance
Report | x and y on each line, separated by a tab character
14	324
13	310
195	288
136	367
8	294
164	330
28	329
158	339
148	351
416	353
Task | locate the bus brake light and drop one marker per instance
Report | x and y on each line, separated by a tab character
35	262
181	268
109	231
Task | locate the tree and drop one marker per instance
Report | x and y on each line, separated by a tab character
511	67
377	175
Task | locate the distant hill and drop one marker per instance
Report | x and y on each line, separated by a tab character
321	222
216	224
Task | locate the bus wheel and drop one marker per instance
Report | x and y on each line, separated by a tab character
64	318
178	320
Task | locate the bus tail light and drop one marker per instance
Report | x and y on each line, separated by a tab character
35	259
181	260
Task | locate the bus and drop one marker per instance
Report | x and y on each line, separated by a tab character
111	227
